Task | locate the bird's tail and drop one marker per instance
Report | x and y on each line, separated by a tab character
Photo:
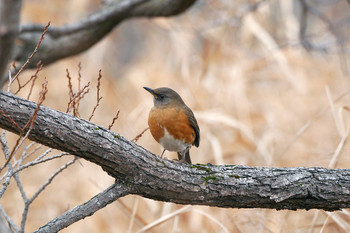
185	158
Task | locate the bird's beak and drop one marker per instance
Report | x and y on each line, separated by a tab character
150	90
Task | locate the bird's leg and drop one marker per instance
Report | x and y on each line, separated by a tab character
184	156
162	153
181	156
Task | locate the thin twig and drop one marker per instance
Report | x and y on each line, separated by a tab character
30	123
6	151
98	98
99	201
70	88
13	151
99	84
79	75
79	85
34	52
52	177
10	120
20	187
27	203
39	67
9	220
41	99
36	162
5	184
80	95
139	135
114	119
28	154
77	97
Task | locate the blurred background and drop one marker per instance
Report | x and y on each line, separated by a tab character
268	82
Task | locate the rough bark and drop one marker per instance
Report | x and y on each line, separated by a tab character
149	176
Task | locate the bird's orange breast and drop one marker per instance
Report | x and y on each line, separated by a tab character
174	120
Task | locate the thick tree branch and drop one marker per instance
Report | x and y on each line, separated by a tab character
164	180
77	37
161	8
87	209
102	16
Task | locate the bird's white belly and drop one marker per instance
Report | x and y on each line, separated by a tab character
171	144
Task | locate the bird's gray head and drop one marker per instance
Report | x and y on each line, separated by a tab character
164	96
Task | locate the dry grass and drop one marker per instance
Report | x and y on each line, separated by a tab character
256	105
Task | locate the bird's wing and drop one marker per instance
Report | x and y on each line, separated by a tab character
195	126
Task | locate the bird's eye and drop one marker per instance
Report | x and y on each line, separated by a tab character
160	97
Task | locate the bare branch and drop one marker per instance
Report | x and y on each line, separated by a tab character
11	120
96	203
34	52
113	121
75	98
79	87
6	151
39	161
73	103
9	221
19	141
98	98
29	201
139	135
51	178
32	78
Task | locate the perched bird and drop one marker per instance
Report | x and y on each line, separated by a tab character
172	123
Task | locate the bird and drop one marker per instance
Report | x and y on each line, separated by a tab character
173	124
